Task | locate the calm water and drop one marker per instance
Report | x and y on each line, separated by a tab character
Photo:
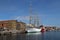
32	36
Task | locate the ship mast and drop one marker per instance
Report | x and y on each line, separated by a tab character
33	19
38	21
30	8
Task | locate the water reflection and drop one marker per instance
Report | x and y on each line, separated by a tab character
28	36
21	37
42	36
7	37
33	33
32	36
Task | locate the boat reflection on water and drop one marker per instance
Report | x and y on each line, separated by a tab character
33	33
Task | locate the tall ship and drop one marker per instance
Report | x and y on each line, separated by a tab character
33	19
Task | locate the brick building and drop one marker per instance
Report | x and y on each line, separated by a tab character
21	26
12	24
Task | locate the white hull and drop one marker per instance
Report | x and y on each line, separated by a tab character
33	30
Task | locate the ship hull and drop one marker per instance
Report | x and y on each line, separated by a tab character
33	30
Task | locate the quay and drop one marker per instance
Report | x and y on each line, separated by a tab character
11	32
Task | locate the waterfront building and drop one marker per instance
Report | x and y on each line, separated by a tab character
21	26
12	24
50	28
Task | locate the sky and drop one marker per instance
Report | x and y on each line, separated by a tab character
47	10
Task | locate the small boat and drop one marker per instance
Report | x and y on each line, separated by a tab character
33	30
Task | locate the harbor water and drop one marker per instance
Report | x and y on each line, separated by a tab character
32	36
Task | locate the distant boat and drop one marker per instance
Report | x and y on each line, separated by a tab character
33	30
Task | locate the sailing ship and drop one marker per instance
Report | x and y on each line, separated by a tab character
33	19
